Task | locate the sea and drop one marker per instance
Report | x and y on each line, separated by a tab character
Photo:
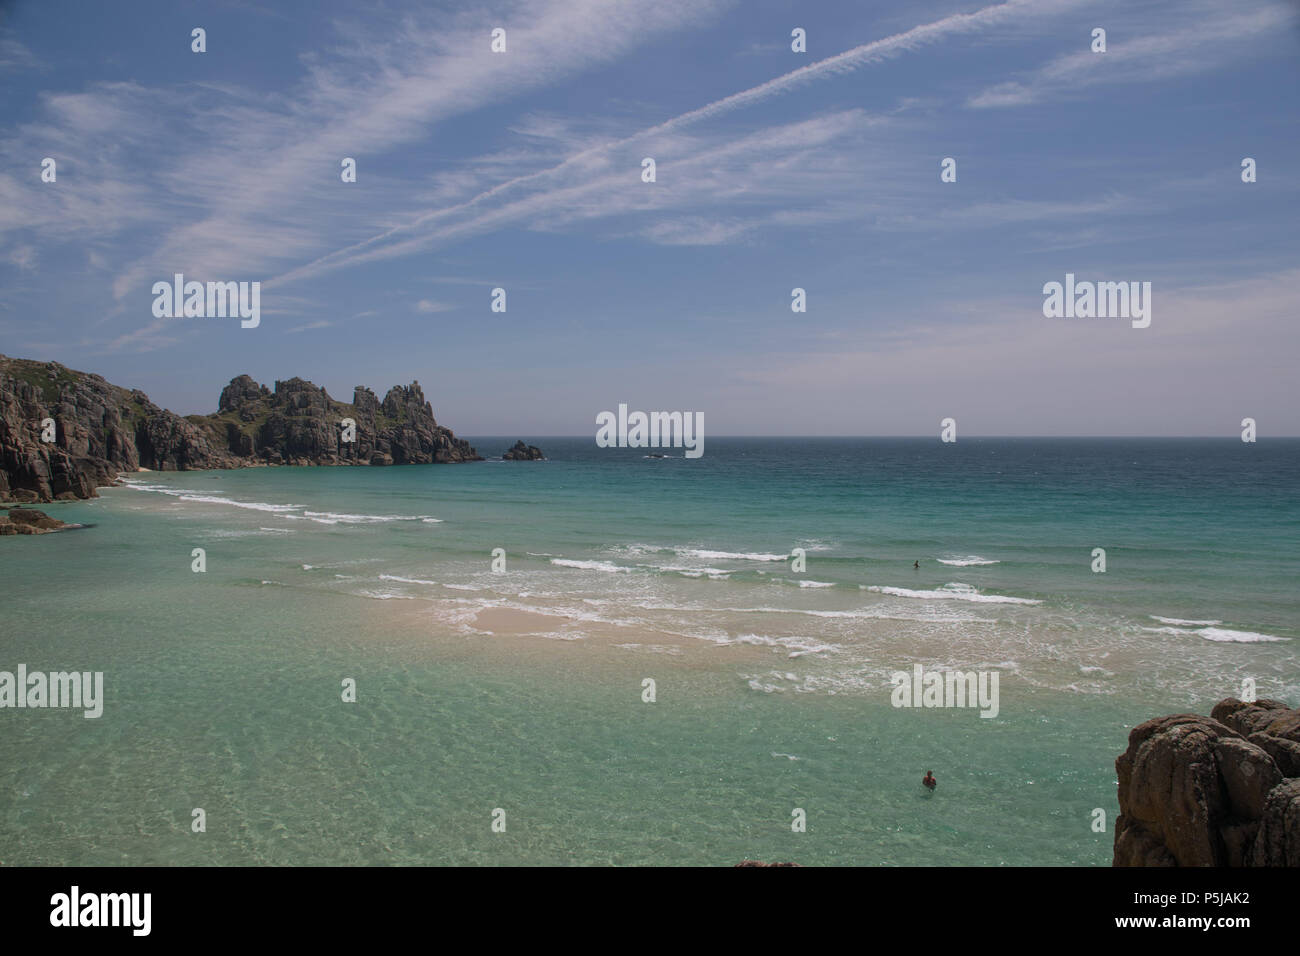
609	658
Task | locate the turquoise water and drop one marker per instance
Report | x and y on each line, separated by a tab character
522	690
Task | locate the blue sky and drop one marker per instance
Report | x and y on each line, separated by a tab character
775	170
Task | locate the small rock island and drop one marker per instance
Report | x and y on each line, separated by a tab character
29	521
521	452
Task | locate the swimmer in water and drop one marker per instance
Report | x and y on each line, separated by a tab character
917	565
929	781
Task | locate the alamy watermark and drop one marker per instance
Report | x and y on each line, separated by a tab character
216	300
653	430
75	689
75	908
933	688
1102	300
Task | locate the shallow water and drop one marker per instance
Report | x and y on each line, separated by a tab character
773	691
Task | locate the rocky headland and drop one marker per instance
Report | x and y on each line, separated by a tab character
63	432
1222	790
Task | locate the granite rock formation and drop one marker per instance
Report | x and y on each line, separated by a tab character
99	430
1212	791
521	452
298	423
29	521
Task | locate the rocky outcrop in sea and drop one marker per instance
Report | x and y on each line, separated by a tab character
29	521
521	452
64	432
1222	790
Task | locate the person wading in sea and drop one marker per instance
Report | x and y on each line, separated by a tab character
929	781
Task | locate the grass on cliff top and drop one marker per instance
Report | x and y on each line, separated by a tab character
52	386
216	422
38	374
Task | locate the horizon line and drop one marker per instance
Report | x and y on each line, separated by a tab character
925	437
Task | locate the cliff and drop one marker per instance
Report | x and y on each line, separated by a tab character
1222	790
100	430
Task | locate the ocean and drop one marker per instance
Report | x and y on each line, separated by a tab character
767	590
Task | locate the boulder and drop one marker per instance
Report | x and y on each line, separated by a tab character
1268	724
1278	841
1197	791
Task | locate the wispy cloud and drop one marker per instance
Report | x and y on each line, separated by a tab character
24	257
221	180
428	227
239	181
319	324
15	56
1065	371
1207	36
428	306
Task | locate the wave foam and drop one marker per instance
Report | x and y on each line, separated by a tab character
1220	635
797	646
952	592
690	572
606	566
729	555
321	517
1236	637
333	517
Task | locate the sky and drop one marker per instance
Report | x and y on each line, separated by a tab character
774	170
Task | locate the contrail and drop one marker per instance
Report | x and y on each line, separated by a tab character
837	65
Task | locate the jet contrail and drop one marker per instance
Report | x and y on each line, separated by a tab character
837	65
